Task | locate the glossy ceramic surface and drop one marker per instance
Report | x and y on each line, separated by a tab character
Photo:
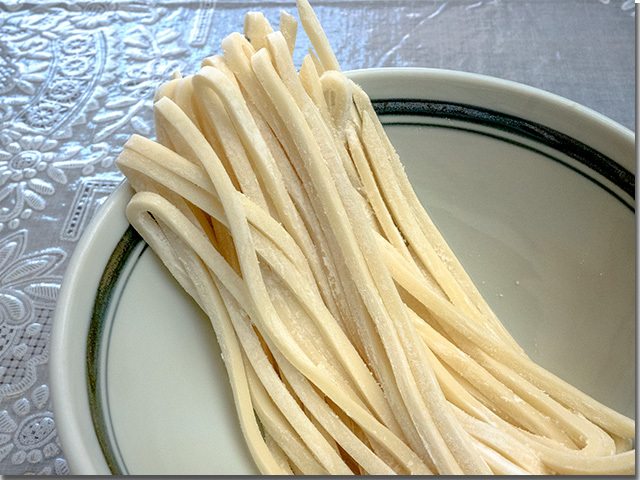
533	192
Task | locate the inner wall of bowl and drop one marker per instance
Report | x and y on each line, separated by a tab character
552	252
524	227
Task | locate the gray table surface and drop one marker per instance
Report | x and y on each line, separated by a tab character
77	79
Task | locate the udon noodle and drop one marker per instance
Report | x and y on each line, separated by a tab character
354	341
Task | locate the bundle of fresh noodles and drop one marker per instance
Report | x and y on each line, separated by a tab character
353	339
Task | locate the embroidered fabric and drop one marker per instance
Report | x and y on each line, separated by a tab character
77	78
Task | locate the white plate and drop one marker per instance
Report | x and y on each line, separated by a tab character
533	192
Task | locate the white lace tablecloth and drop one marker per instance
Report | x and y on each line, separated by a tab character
77	79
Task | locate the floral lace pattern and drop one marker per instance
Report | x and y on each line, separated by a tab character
29	288
75	82
77	78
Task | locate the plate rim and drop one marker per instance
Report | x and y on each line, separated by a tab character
67	364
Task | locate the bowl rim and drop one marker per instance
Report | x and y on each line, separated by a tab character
524	101
67	368
67	364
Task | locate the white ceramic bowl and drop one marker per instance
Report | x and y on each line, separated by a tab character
534	192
